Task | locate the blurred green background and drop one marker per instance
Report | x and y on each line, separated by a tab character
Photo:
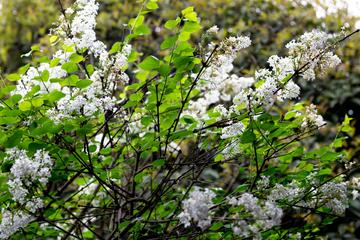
270	25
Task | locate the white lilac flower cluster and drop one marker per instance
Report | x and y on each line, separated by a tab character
310	47
311	118
262	215
12	222
355	183
23	173
331	195
276	80
77	30
216	82
197	208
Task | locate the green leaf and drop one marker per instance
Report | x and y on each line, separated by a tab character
14	140
146	121
242	169
16	98
346	128
105	151
191	27
138	177
69	67
142	30
124	224
172	23
219	157
298	151
8	89
90	69
23	69
6	166
192	16
152	5
216	226
49	212
54	62
83	83
44	59
56	128
149	63
164	70
287	78
14	77
130	104
184	36
37	102
115	48
158	163
55	95
189	119
325	171
7	120
146	180
187	10
330	156
169	42
248	137
75	58
24	106
290	115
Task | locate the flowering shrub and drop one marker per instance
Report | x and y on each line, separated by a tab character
83	161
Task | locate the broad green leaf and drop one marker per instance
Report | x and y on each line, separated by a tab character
287	78
16	98
55	95
8	89
44	59
69	67
149	63
83	83
24	106
298	151
37	102
219	157
23	69
7	120
330	156
54	62
138	177
169	42
90	69
158	163
145	181
123	225
184	36
105	151
142	30
14	77
75	58
6	166
14	140
290	115
325	171
192	16
216	226
187	10
130	104
191	27
164	70
115	48
152	5
172	23
248	137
